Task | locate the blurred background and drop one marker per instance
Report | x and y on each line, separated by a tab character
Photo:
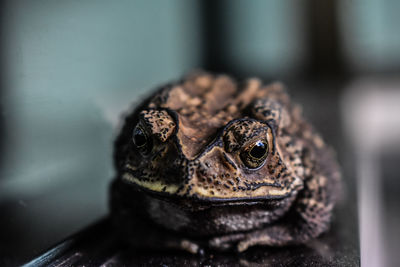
69	69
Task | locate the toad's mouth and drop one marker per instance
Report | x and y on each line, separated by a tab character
173	192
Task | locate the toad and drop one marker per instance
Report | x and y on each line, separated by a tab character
210	163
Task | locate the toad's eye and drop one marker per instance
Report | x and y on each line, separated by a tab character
255	155
141	140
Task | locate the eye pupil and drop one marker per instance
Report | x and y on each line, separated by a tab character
139	137
255	155
259	150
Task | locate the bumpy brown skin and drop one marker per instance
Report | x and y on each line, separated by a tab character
193	183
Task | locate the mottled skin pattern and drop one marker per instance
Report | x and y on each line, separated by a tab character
211	163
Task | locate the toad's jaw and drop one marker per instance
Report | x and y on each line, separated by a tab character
263	192
156	186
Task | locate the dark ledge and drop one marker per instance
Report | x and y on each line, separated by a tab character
97	245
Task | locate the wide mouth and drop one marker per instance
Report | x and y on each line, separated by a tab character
192	200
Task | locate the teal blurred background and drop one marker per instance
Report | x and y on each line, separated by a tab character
71	68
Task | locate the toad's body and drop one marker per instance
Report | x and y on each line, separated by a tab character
222	165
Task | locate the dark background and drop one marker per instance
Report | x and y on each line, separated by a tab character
70	68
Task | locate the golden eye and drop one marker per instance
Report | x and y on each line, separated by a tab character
255	155
141	140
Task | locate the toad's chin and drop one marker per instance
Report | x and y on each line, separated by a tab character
195	219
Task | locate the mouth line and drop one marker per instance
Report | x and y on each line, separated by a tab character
171	193
195	202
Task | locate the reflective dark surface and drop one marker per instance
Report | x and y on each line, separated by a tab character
98	245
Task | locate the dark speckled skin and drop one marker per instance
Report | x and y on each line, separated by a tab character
195	185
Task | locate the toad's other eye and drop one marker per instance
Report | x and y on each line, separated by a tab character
141	140
255	155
